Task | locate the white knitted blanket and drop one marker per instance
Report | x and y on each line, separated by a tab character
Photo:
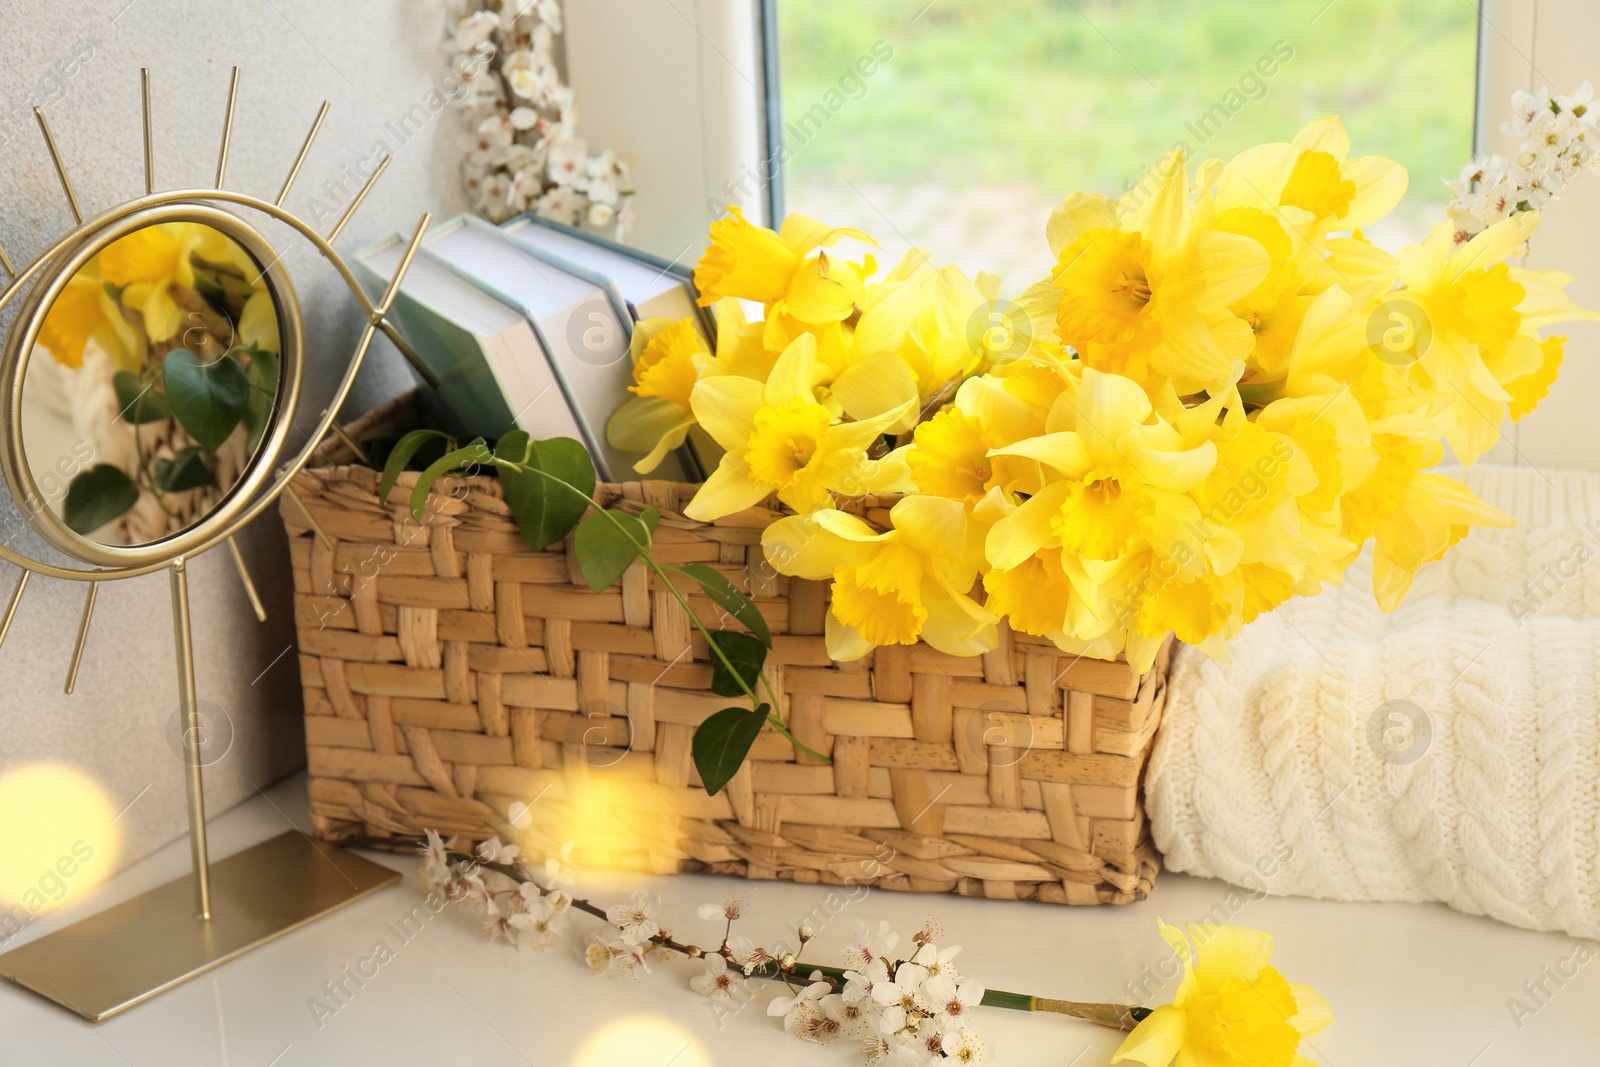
1447	752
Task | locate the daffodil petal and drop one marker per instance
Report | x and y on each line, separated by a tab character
729	489
725	407
1026	530
1156	1040
876	385
1076	216
795	374
956	625
844	643
1314	1013
814	546
1225	952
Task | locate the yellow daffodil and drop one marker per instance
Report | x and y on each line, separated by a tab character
1118	482
669	357
148	264
751	262
937	323
1412	514
1232	1008
892	588
779	439
85	311
1473	334
1311	174
1146	291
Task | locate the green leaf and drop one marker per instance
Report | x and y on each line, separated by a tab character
545	512
727	595
723	741
604	550
185	470
96	496
473	455
400	455
263	378
138	401
746	653
208	398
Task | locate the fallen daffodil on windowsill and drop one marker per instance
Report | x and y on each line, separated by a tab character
1232	1008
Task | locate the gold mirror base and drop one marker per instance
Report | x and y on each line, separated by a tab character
130	952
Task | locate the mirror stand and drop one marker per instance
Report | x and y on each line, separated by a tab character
127	953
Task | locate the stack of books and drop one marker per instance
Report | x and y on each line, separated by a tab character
528	325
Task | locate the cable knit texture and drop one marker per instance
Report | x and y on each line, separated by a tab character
1490	803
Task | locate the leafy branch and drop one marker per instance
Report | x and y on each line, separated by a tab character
549	488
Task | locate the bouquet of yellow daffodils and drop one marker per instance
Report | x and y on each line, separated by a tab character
1220	394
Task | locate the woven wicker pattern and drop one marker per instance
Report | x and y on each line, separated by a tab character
455	679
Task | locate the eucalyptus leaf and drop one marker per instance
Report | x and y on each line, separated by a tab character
723	741
208	399
185	470
96	496
400	456
137	401
746	653
727	595
545	512
473	455
605	548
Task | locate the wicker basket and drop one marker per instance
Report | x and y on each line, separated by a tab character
456	680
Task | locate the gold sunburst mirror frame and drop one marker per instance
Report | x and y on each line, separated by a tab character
128	953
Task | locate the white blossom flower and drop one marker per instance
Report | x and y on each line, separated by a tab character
820	1021
473	29
952	1004
730	909
435	868
902	998
870	946
748	955
599	955
558	869
530	901
496	851
557	901
718	983
791	1007
568	160
532	931
536	84
630	959
495	194
938	961
964	1046
561	205
470	890
858	984
524	118
599	215
637	918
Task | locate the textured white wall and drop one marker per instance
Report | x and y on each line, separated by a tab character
376	61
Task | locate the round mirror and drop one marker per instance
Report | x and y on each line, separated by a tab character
151	379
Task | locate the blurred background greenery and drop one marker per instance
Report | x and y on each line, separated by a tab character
989	113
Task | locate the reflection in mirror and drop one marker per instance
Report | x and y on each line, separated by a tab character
154	378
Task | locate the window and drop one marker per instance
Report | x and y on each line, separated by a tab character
958	124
